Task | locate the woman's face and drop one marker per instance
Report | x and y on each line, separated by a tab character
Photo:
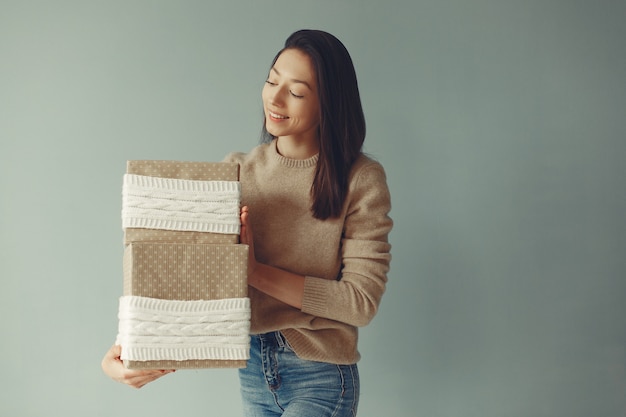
290	98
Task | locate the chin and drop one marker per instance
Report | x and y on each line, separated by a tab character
271	131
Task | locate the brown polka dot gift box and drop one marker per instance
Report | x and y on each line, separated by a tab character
194	171
184	304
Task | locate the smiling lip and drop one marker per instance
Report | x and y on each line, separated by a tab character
276	116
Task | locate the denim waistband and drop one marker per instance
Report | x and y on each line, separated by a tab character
273	338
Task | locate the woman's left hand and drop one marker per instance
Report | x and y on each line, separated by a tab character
246	239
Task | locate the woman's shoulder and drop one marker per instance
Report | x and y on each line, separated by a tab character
368	184
367	168
246	157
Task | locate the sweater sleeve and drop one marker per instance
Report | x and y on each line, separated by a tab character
354	297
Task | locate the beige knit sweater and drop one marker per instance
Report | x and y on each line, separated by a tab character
345	260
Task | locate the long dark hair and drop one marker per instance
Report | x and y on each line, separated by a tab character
342	123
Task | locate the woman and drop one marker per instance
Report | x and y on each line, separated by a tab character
316	218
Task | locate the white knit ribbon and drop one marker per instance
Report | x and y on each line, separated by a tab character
175	204
152	329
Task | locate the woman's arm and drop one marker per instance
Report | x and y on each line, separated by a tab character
278	283
365	254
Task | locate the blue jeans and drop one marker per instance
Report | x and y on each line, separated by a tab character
278	383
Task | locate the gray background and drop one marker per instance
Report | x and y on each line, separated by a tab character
500	123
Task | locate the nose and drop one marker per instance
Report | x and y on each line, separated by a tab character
276	95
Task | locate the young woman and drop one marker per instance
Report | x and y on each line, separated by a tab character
316	218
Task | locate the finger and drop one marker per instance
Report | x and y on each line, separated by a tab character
138	382
245	226
149	373
245	214
138	379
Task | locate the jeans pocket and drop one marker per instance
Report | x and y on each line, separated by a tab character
285	343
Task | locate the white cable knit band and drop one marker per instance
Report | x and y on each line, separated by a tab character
153	329
175	204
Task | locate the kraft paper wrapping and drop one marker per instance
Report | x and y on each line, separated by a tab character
185	272
199	171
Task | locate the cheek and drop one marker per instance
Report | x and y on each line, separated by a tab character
313	115
264	94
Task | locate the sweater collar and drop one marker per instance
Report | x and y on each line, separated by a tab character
293	163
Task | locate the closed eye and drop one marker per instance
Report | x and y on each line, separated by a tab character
274	84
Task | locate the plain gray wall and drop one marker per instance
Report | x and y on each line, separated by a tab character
501	126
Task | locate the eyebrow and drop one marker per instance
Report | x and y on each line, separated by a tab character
293	79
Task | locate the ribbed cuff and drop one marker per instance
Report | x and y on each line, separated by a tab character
315	298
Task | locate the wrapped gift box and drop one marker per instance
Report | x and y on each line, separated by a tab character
186	272
197	171
185	299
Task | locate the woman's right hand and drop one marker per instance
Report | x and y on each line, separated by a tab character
113	366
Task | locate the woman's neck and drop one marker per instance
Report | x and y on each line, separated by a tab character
296	149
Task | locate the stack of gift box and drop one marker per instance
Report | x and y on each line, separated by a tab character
185	301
